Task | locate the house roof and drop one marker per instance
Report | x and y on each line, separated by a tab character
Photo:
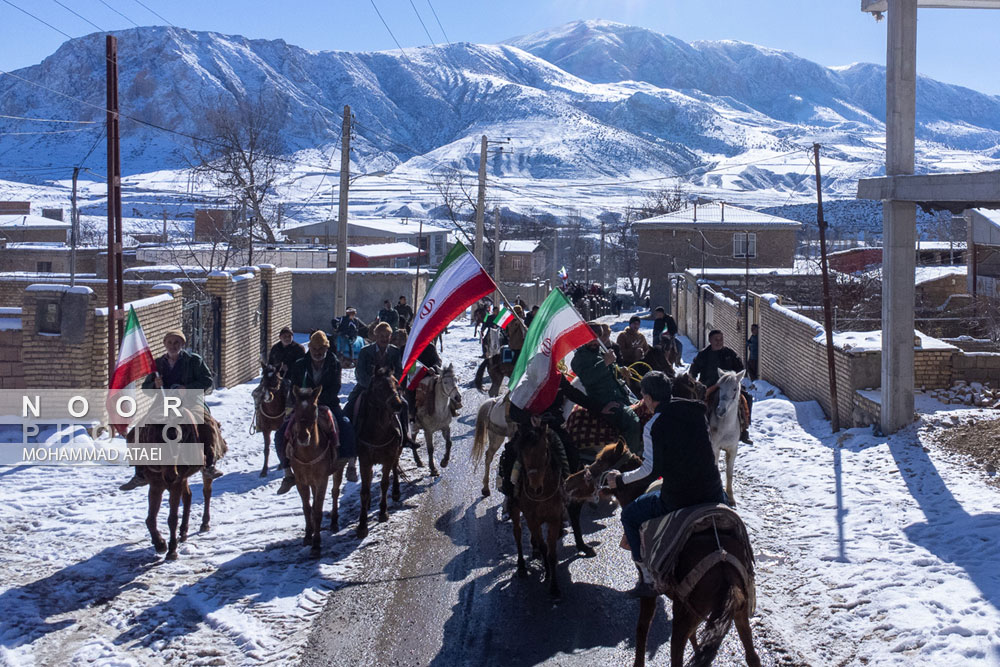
383	250
390	226
516	246
717	215
31	222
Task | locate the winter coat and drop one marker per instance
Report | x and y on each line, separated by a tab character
600	380
430	357
368	363
515	334
347	328
752	347
708	363
301	375
633	346
190	372
405	314
389	316
285	354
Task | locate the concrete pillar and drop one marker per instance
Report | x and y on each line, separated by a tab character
899	219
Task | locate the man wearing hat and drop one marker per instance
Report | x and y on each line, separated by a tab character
286	351
602	383
318	368
180	369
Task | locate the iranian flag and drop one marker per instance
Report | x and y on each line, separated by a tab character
416	375
556	330
461	281
504	317
135	361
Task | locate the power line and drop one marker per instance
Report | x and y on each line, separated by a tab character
438	21
119	13
80	16
374	6
38	19
154	13
427	32
82	129
50	120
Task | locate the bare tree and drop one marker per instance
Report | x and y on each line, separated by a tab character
241	155
458	194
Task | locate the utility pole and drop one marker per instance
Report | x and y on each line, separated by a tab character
555	255
496	251
340	305
827	314
603	272
115	296
74	234
481	201
746	300
164	234
420	245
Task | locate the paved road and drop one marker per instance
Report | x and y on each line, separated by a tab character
438	588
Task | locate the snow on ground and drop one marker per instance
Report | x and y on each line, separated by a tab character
870	550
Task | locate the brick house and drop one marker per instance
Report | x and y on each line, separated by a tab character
25	228
522	260
713	235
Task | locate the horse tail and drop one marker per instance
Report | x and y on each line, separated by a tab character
719	621
479	375
480	439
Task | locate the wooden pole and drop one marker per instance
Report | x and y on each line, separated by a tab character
481	202
115	299
827	310
340	304
74	234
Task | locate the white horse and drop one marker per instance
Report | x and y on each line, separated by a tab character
434	413
724	422
492	428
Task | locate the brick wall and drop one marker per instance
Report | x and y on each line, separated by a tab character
279	300
977	367
240	325
12	287
11	366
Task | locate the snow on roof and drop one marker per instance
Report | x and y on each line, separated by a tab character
519	246
926	274
35	222
398	249
871	341
719	214
386	225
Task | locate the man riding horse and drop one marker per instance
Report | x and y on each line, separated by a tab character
632	343
717	357
320	368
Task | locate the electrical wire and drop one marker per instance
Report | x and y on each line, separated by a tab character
438	21
426	31
119	13
82	129
375	7
154	13
80	16
38	19
50	120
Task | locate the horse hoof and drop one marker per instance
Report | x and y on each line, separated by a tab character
315	551
444	462
263	473
182	537
586	551
334	526
395	497
362	532
383	517
307	540
171	556
486	492
555	594
435	473
522	571
160	546
204	528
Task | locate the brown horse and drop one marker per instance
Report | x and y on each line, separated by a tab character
497	371
540	498
271	411
479	313
685	386
719	597
312	453
380	441
655	359
174	480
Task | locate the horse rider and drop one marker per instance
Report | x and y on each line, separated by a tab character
676	447
319	368
603	384
180	369
283	354
405	313
605	337
388	315
662	321
515	335
632	343
530	316
716	357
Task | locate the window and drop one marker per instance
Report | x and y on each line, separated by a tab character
43	267
740	240
517	263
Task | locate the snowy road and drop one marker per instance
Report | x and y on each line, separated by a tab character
870	551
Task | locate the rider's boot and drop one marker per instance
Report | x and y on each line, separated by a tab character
745	437
212	472
134	483
644	587
287	482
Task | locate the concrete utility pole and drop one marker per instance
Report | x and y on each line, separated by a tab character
827	310
496	251
603	272
340	304
481	201
115	296
900	219
74	234
555	256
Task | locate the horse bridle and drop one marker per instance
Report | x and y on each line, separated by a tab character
524	480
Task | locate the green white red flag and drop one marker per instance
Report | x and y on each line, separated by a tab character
504	317
461	281
556	330
135	360
417	373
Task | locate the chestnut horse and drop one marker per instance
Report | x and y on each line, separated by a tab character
312	454
719	597
174	480
271	411
380	441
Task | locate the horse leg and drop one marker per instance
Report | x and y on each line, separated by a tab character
319	494
267	451
429	438
366	497
383	505
537	543
515	520
495	382
551	558
490	453
155	498
742	622
186	514
395	482
730	464
446	432
303	490
416	448
574	519
174	502
683	626
647	610
206	492
338	476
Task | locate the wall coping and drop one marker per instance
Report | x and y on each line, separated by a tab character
10	312
173	287
243	276
361	271
141	303
56	287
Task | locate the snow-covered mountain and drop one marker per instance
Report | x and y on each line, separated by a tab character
587	100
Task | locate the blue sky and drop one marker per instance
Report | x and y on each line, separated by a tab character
956	46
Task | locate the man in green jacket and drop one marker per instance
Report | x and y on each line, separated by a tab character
597	372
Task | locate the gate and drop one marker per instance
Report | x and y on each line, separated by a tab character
265	325
202	326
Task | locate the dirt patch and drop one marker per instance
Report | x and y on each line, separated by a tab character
979	441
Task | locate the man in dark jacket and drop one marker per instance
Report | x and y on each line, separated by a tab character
662	322
286	351
319	368
405	313
717	357
388	315
180	369
598	374
676	447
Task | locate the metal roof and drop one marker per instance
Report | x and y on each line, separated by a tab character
717	215
516	246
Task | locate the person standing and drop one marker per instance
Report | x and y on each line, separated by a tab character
405	313
388	315
752	350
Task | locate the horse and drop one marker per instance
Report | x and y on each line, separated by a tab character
479	313
434	412
655	359
174	480
491	430
540	499
312	453
720	596
685	386
270	412
723	403
380	441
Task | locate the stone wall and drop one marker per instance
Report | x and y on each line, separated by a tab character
313	293
977	367
11	366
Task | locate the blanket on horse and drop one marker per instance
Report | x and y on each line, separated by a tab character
664	537
590	433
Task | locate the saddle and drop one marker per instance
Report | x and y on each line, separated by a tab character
664	537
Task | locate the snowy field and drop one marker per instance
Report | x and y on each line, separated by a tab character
870	550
